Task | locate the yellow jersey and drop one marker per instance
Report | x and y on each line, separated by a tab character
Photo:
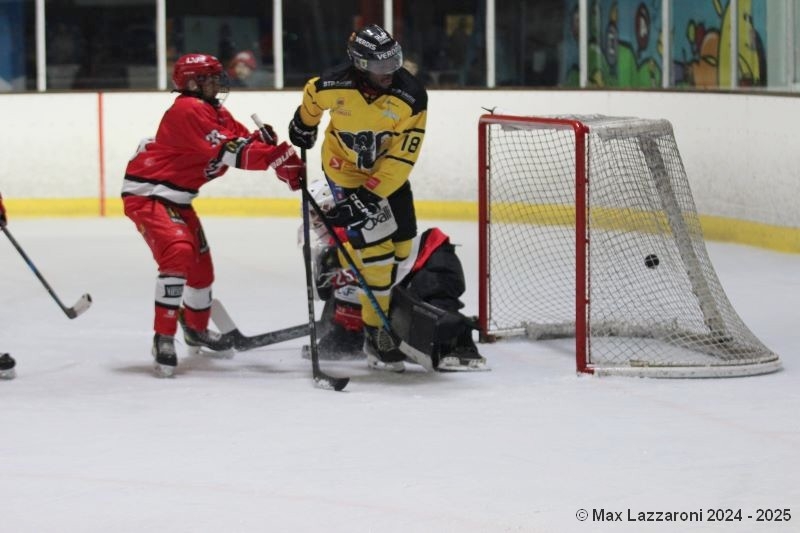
372	144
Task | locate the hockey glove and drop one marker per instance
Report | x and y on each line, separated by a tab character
288	166
327	269
3	220
301	135
367	217
354	208
265	134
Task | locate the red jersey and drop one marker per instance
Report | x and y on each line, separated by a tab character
195	143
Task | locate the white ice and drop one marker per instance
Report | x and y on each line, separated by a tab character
92	442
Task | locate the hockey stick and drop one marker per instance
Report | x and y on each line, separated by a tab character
80	306
264	131
321	379
420	357
242	342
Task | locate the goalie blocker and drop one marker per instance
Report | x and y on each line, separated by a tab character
446	336
426	302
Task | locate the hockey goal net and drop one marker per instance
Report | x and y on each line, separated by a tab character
588	229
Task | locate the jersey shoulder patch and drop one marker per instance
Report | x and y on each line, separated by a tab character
409	89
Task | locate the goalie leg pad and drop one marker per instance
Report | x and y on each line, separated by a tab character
445	336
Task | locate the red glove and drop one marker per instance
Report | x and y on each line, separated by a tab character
288	166
3	220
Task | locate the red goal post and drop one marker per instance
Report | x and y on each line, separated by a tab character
588	229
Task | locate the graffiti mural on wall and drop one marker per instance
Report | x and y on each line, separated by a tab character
625	47
702	44
624	44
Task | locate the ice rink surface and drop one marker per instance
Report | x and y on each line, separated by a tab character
92	442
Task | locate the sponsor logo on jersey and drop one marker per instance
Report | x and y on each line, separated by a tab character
335	163
383	215
367	146
215	137
372	182
403	95
339	108
334	83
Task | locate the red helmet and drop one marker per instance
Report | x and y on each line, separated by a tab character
194	66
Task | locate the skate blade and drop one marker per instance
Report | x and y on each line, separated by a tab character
211	354
11	373
454	364
163	371
376	364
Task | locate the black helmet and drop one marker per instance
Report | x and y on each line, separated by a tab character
372	49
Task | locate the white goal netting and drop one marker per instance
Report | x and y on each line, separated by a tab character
589	229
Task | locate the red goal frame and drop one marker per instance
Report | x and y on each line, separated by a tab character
580	131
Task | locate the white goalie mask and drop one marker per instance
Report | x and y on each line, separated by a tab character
323	196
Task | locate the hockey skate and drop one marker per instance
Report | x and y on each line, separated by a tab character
462	359
7	365
165	357
338	344
381	350
208	343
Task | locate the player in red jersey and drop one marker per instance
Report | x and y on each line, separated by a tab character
197	141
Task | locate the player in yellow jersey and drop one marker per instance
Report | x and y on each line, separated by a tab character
377	113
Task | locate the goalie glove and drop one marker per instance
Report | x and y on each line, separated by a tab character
301	135
367	217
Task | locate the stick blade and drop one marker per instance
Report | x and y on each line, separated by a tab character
83	303
324	381
221	318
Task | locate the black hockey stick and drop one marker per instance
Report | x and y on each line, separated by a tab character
80	306
242	342
416	355
321	379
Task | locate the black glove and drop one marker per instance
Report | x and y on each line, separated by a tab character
267	135
327	269
301	135
368	218
355	207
